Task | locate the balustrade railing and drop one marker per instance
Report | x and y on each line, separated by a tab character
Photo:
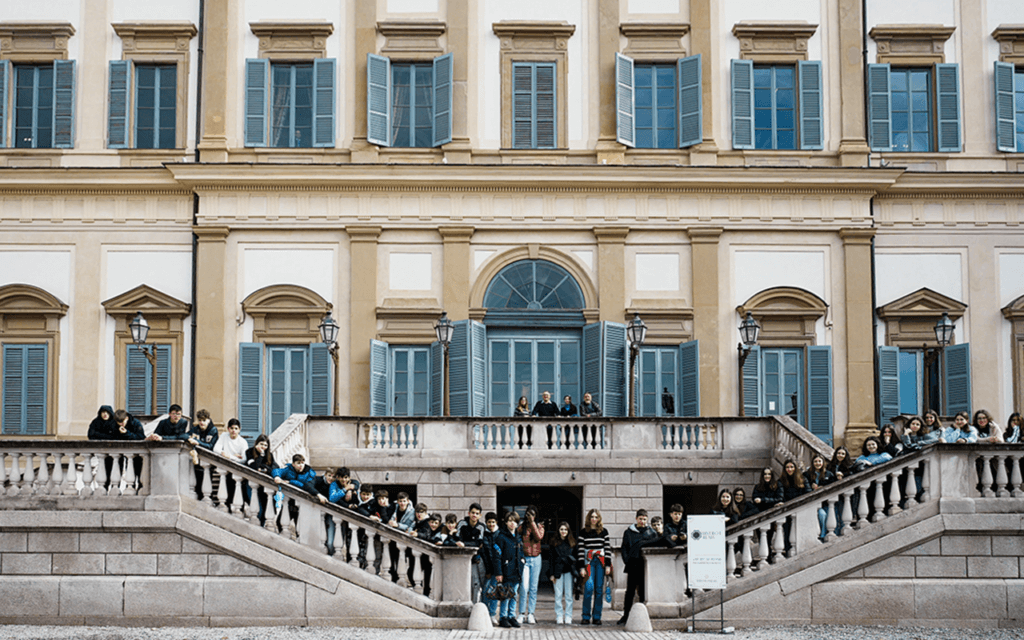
289	438
73	468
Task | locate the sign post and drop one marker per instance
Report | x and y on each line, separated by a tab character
705	562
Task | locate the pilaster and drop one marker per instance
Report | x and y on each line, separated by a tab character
860	366
363	322
219	42
92	80
455	292
609	150
365	29
702	42
705	269
213	362
85	354
459	150
853	146
611	268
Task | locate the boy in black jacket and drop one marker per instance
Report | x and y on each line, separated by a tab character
636	537
363	507
382	511
471	534
675	528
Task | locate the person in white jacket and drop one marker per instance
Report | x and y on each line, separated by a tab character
233	448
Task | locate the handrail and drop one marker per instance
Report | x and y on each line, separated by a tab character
82	468
791	441
289	438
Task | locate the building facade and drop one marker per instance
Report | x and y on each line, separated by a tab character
542	173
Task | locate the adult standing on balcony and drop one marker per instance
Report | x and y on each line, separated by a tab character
544	407
594	554
588	408
173	427
532	533
522	409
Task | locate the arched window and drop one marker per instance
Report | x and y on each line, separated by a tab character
534	285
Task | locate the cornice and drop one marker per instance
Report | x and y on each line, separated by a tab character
279	28
944	185
520	28
90	181
155	29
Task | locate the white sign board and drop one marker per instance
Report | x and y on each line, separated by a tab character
705	542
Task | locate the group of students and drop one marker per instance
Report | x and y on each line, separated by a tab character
546	408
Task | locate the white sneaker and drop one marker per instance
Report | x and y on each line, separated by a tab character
494	620
560	621
530	619
519	618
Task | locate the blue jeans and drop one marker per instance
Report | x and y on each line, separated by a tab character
492	605
563	591
508	606
594	589
528	587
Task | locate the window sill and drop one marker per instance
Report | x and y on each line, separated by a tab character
411	155
916	160
152	157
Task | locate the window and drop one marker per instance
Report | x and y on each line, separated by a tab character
901	112
43	104
155	100
913	381
299	99
534	124
408	380
409	104
668	381
1009	82
139	381
292	379
24	389
658	105
796	382
777	106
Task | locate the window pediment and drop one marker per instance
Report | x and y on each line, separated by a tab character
35	41
787	315
27	299
286	313
292	39
1014	310
910	320
147	300
412	39
911	44
654	41
773	41
1011	42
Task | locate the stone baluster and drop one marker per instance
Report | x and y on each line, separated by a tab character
831	506
879	500
894	493
14	478
926	481
745	555
222	488
863	494
237	501
28	477
101	482
910	487
779	541
986	476
730	560
1001	479
71	477
57	486
847	519
43	486
762	546
87	477
1015	477
115	473
207	481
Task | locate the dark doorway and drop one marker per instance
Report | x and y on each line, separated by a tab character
554	504
696	499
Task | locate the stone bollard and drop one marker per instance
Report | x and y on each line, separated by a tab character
480	618
639	619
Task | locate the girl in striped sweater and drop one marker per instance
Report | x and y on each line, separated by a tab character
594	554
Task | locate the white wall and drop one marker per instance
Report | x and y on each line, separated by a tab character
310	266
912	12
999	12
898	273
52	10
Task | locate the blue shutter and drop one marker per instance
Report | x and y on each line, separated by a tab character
1006	139
958	378
752	383
614	374
117	103
545	101
819	392
592	362
24	389
323	103
137	381
321	389
5	74
691	107
250	388
443	85
436	379
459	370
879	108
689	379
163	378
379	362
948	101
625	101
478	367
522	105
63	104
257	76
812	130
742	104
378	100
888	383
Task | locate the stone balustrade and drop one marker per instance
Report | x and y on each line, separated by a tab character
73	468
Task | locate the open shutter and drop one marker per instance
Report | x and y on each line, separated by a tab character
443	99
137	380
958	378
614	374
163	378
5	74
323	103
459	370
436	379
948	100
117	103
879	108
812	132
257	77
689	380
819	392
321	389
625	101
592	363
888	383
752	383
1006	139
63	104
742	72
379	363
522	105
478	367
250	388
691	107
378	100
